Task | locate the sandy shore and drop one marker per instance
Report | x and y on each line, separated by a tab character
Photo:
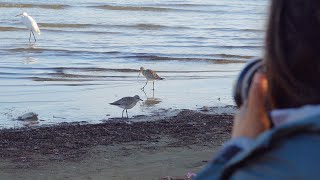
117	149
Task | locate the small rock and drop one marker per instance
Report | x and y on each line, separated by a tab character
192	123
58	117
205	109
31	116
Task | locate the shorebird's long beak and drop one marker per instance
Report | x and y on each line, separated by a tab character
18	15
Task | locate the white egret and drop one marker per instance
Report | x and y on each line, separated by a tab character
31	25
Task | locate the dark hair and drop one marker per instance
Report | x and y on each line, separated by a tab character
292	54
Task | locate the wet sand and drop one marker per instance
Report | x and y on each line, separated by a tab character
116	149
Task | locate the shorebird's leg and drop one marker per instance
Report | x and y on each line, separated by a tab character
122	113
144	85
34	37
144	93
30	37
153	85
127	114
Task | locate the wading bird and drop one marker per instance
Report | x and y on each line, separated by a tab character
127	103
150	76
31	25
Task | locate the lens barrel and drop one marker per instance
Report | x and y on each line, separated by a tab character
243	82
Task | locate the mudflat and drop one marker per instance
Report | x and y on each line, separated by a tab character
116	149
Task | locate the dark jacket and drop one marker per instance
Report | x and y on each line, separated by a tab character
289	151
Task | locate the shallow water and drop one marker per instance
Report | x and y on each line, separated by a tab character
89	52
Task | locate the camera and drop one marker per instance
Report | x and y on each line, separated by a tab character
242	84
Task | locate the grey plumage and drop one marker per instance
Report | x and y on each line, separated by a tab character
126	103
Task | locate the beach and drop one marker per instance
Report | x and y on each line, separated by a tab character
88	55
117	149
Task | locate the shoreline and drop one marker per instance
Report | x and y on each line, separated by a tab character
27	149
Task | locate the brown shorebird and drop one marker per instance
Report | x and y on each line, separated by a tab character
150	76
127	103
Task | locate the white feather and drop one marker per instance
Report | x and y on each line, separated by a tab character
34	25
30	23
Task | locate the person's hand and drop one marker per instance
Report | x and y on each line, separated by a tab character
252	119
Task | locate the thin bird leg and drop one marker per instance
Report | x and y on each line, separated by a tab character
127	114
122	113
30	37
144	85
144	92
153	85
34	37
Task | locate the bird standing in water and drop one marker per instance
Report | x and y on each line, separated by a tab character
150	76
31	25
127	103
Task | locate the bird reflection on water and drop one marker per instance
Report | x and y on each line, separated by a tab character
150	101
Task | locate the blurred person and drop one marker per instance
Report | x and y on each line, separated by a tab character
276	132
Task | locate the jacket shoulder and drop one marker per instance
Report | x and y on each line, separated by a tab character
290	149
292	158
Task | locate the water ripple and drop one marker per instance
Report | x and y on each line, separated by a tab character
44	6
132	8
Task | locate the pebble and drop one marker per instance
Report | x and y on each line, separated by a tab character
31	116
205	109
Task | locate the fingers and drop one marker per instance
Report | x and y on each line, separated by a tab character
258	90
252	119
257	97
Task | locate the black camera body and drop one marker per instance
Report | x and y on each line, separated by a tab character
244	80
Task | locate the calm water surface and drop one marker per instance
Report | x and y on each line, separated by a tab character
89	52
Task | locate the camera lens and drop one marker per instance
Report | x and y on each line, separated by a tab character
243	82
